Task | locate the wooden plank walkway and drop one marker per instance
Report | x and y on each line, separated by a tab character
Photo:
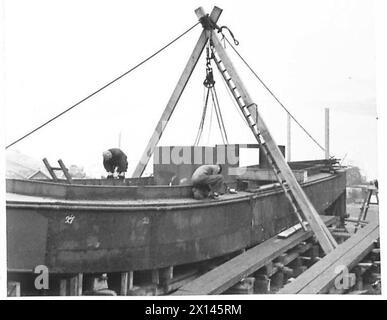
226	275
322	274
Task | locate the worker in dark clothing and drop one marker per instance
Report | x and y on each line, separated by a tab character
207	181
115	159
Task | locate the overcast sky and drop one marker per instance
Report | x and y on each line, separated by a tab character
312	54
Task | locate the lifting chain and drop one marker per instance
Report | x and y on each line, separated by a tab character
209	82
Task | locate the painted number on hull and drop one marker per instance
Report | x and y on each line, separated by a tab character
69	219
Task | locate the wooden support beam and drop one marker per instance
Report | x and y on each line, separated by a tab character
155	276
262	284
306	258
166	274
13	289
356	221
268	268
359	279
342	234
63	287
334	228
124	283
80	284
288	257
181	84
298	267
65	171
166	277
314	253
179	281
327	242
73	286
277	281
289	272
280	260
323	273
76	285
245	286
130	280
226	275
50	170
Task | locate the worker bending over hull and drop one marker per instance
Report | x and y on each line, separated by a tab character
207	181
115	159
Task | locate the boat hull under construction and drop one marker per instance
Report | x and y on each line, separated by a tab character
112	226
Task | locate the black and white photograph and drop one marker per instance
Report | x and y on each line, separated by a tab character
182	149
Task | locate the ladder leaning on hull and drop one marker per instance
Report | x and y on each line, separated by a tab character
284	174
293	191
371	190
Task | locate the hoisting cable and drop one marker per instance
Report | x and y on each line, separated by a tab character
103	87
217	117
220	120
210	125
209	84
201	125
274	96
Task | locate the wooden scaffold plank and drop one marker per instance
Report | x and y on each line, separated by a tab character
226	275
322	274
126	282
76	285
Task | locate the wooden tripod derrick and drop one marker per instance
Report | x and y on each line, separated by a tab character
295	194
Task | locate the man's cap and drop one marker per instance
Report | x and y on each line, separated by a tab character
103	276
107	155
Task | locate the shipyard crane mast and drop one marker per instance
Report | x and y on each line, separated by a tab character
293	191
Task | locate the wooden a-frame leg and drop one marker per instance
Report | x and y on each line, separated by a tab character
190	66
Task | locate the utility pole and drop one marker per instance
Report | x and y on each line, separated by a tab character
289	145
326	133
